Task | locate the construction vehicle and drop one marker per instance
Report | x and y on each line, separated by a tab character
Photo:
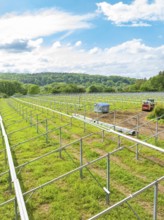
148	105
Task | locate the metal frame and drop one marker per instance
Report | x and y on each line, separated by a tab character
101	127
18	191
68	173
154	183
122	135
106	189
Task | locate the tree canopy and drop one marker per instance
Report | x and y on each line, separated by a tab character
11	87
11	83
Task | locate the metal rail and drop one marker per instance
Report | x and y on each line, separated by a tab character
30	103
73	171
18	192
155	183
108	130
125	136
53	101
132	196
49	153
64	175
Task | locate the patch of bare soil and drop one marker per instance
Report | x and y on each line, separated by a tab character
44	208
131	120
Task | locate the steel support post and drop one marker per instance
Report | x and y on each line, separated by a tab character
114	119
155	201
84	126
84	111
10	184
108	179
137	131
60	142
81	158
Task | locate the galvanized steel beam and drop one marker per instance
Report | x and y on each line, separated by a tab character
18	192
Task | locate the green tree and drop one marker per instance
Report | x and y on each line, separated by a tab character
33	89
11	87
92	88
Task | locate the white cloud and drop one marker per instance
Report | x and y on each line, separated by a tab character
56	44
31	25
94	50
78	43
132	58
35	43
138	13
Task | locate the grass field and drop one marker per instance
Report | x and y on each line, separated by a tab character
34	132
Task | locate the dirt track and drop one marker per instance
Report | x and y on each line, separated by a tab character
130	120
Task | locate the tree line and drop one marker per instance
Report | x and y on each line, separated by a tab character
53	83
155	83
85	80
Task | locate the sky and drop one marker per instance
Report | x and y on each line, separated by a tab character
109	37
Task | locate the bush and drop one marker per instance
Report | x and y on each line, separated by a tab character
157	112
3	95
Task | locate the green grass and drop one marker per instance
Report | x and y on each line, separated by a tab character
72	197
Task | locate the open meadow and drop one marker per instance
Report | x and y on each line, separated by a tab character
70	167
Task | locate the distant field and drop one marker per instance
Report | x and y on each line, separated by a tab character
48	148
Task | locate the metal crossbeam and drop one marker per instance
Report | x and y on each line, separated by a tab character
18	192
108	130
123	135
128	198
61	113
72	171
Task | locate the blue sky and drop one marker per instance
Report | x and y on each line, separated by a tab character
96	37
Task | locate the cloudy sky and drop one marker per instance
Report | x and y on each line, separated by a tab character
110	37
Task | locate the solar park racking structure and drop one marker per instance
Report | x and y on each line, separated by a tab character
22	107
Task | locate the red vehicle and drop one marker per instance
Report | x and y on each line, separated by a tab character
147	106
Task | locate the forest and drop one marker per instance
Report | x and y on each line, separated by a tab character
51	83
